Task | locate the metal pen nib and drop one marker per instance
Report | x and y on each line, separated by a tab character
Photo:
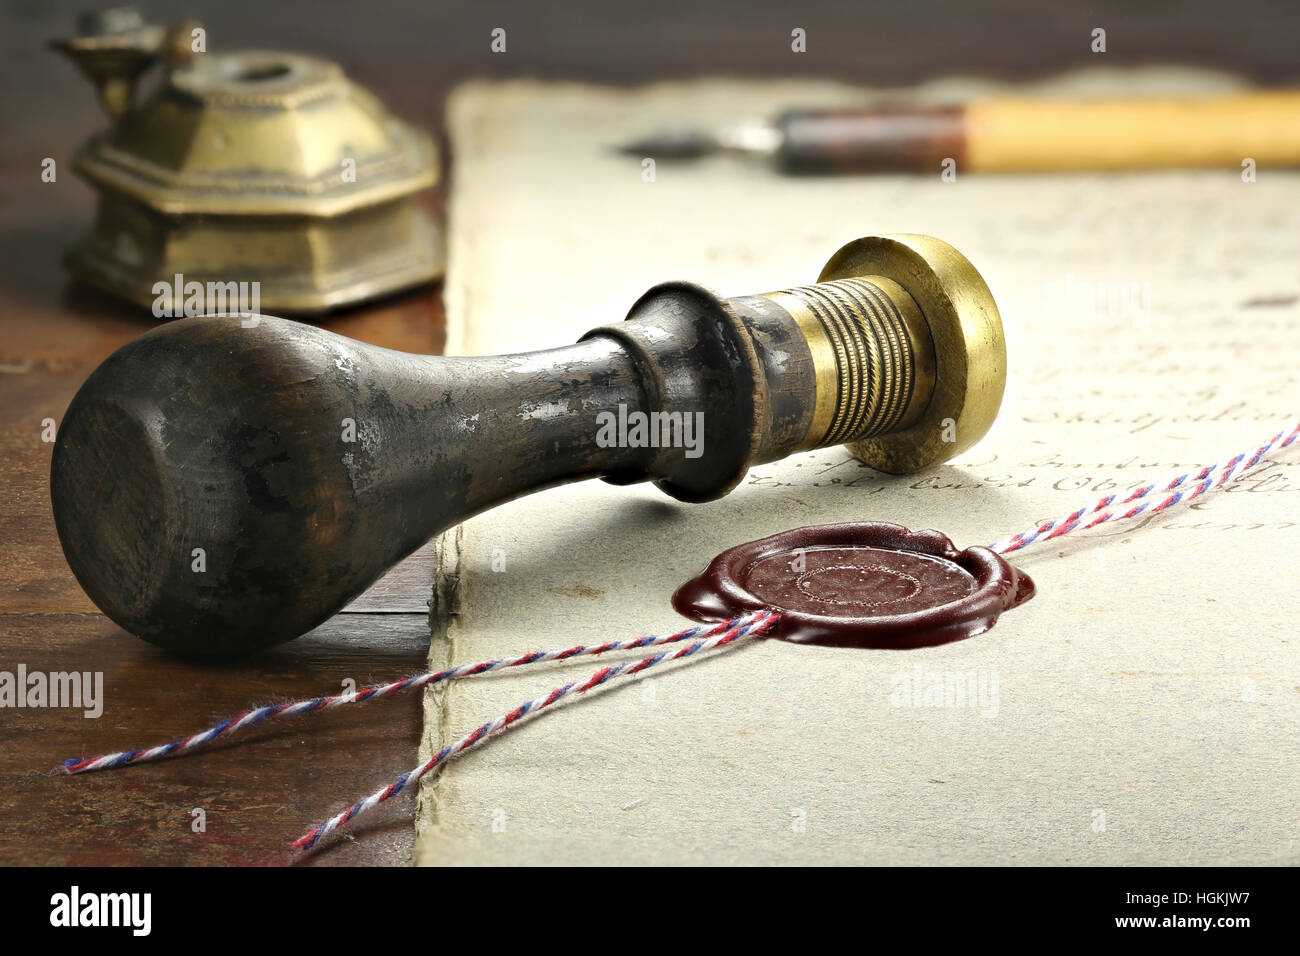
754	137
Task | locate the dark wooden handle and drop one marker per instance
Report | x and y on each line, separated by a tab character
218	488
870	140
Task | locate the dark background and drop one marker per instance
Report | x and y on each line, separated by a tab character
262	792
412	53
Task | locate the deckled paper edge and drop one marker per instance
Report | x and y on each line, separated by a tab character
444	615
448	596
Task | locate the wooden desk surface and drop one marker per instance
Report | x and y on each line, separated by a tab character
261	792
257	794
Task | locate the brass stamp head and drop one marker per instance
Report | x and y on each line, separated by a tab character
909	352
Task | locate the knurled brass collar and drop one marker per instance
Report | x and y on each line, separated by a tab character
907	348
873	360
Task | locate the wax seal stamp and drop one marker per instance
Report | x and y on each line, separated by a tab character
900	343
868	584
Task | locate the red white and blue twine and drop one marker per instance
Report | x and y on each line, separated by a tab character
1181	489
292	708
1148	499
702	637
730	633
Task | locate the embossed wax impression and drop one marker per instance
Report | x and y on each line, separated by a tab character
868	584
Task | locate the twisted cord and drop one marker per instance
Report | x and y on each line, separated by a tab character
1181	489
262	714
737	630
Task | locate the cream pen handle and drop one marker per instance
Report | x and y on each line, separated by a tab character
1023	135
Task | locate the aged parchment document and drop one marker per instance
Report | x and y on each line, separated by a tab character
1141	709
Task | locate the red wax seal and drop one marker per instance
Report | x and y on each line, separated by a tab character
868	584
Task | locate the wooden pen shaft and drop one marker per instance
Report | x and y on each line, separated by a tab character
1045	135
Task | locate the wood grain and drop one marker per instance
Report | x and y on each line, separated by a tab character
259	791
257	796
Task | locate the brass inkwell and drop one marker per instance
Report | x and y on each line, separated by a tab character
247	167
